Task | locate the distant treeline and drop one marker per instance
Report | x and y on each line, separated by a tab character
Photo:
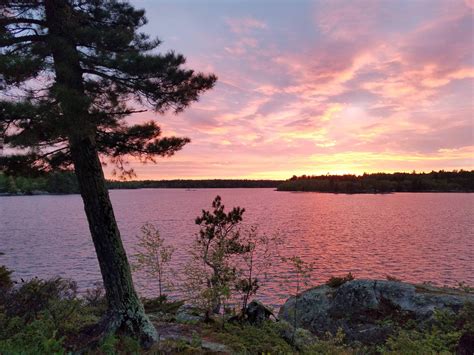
66	183
438	181
55	183
435	181
192	184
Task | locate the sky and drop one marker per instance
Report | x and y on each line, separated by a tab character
316	87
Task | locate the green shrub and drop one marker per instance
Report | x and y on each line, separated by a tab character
329	345
465	318
95	301
262	339
37	337
108	345
335	281
34	296
441	337
160	304
6	282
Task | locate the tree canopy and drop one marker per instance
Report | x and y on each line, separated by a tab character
71	72
120	74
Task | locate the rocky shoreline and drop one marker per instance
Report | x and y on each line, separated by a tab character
368	311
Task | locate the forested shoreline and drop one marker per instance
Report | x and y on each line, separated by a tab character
435	181
66	183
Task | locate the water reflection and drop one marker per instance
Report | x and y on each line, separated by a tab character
415	237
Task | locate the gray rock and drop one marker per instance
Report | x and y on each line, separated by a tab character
188	314
361	308
299	338
257	312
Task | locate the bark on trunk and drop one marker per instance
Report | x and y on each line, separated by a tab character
125	309
125	312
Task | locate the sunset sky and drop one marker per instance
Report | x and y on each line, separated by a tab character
316	87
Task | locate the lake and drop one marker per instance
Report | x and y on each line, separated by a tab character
414	237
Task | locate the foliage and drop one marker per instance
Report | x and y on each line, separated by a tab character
38	314
34	296
161	305
37	337
59	318
153	256
118	72
5	279
463	286
369	183
301	271
212	271
456	180
70	74
55	183
193	184
255	262
66	183
249	339
329	345
94	299
336	281
441	336
113	344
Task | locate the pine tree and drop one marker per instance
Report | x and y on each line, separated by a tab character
71	71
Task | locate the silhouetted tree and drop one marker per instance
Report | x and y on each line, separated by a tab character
71	71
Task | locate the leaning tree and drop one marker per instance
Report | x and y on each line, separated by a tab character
71	71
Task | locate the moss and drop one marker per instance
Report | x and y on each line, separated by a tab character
155	305
261	339
335	281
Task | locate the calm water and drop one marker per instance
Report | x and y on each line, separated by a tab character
415	237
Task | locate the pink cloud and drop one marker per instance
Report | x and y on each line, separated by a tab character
371	88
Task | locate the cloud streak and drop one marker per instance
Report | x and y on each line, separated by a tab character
325	86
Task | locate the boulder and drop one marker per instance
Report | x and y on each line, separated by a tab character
300	338
189	314
367	309
257	312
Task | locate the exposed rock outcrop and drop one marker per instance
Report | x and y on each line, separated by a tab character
367	309
257	312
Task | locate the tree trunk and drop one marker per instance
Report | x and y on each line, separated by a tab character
125	312
125	309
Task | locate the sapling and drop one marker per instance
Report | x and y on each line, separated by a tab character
302	270
255	263
153	257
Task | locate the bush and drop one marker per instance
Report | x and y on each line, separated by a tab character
34	296
338	281
248	339
37	337
5	278
330	345
38	315
441	337
95	300
161	304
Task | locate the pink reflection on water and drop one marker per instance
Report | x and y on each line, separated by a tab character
414	237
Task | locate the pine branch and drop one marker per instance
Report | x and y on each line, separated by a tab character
17	20
5	42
